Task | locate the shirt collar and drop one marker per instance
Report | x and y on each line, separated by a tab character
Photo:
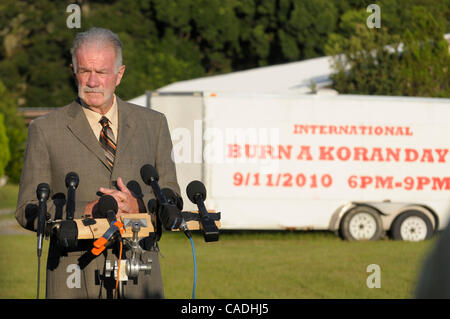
94	116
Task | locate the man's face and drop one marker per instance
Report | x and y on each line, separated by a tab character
95	75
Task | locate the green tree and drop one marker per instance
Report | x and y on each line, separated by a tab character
34	57
380	62
173	40
15	131
4	147
425	67
164	40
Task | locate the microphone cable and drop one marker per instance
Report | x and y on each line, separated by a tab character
188	234
118	268
38	275
195	268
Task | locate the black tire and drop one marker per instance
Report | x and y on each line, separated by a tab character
361	223
412	225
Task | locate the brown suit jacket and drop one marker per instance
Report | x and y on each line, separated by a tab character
62	141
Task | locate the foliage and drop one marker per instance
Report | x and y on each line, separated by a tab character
173	40
15	132
164	40
4	147
414	62
426	59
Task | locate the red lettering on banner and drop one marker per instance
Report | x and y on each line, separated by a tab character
324	180
441	184
363	129
341	153
283	152
305	151
376	152
234	151
427	156
325	153
391	153
441	154
390	130
260	151
266	151
361	151
322	129
419	183
422	181
411	155
248	148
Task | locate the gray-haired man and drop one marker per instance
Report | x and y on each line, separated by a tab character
70	139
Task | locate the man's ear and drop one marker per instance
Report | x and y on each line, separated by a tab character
120	74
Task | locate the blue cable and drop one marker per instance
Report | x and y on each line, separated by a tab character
195	268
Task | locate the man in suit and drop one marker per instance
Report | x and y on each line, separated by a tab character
105	141
434	278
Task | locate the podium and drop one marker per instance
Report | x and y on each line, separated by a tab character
100	225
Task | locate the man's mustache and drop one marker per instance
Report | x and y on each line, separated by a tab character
92	90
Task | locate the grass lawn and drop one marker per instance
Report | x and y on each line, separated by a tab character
247	265
8	196
290	265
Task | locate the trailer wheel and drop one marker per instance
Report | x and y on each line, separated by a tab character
361	223
412	225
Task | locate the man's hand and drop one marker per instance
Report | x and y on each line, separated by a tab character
127	203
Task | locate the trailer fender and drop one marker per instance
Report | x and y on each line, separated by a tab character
423	209
336	217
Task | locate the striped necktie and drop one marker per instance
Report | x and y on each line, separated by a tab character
107	141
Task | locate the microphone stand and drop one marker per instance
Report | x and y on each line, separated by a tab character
42	193
72	180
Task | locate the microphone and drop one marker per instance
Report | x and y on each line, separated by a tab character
107	207
135	188
67	233
170	214
136	191
72	181
150	177
59	199
42	193
196	193
151	206
172	198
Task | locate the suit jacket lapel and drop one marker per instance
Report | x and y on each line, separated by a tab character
126	130
79	126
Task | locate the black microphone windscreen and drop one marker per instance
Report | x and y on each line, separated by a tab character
170	195
135	188
72	180
194	189
43	191
107	203
173	198
148	172
59	197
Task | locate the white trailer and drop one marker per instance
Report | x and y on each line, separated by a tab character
361	166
